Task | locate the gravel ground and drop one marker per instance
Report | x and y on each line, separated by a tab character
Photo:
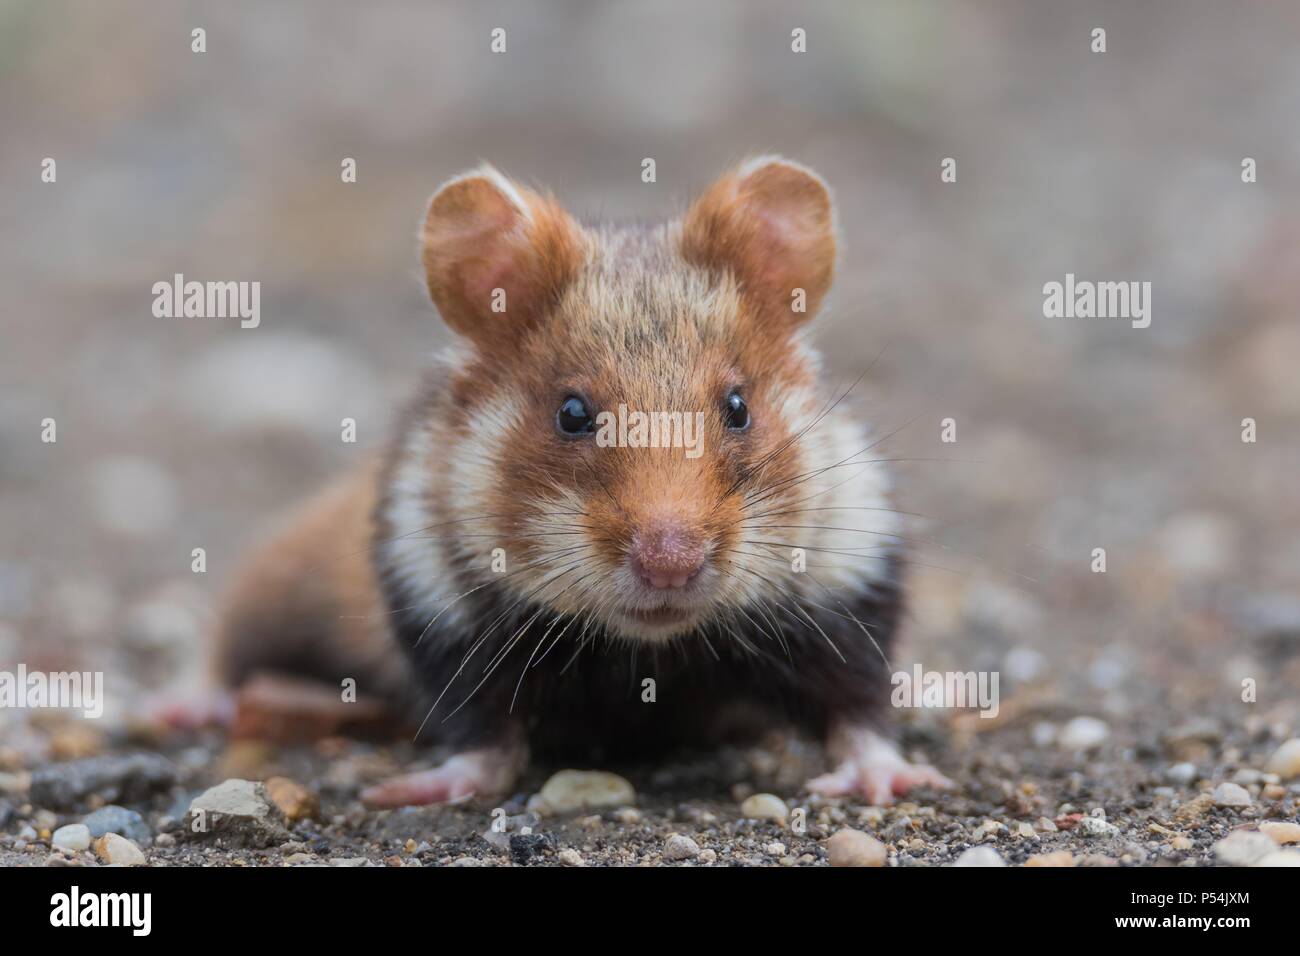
1025	794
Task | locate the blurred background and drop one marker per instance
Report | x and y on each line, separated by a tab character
1072	434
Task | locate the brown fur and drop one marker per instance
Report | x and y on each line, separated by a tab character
308	600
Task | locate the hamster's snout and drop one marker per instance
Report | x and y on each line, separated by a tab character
667	554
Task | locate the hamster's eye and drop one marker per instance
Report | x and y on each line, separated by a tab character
735	413
572	417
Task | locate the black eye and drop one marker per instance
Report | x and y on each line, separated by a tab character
572	418
735	413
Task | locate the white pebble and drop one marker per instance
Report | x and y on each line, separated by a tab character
571	790
1082	734
764	806
75	836
1285	761
1244	847
1231	795
980	856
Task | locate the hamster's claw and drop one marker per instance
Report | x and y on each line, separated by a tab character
475	773
876	784
870	767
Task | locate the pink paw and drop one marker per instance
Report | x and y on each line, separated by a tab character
212	709
877	784
475	773
869	766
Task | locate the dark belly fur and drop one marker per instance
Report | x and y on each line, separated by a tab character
589	704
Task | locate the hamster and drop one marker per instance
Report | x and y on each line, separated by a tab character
624	512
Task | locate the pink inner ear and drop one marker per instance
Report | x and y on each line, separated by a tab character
783	242
487	250
493	269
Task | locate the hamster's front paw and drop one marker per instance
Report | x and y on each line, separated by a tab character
869	766
490	771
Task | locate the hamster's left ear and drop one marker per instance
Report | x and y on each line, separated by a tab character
771	223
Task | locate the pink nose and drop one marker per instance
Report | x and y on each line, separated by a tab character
666	556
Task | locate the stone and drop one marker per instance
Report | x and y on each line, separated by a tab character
1231	795
570	791
679	847
980	856
115	819
132	778
295	801
1279	858
1193	811
1285	761
1091	826
75	836
1280	831
1083	734
238	811
570	857
764	806
1182	773
1057	858
849	847
1243	847
116	850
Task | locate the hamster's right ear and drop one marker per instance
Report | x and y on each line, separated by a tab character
496	256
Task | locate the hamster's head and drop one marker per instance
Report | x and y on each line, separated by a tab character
632	432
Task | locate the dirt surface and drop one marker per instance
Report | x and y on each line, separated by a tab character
1130	693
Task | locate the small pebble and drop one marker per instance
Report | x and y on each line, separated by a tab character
1182	773
295	801
1285	761
1181	843
119	820
75	836
708	856
1279	858
1091	826
1082	734
569	791
980	856
570	857
117	850
678	847
764	806
1243	847
1278	831
1058	858
1231	795
849	847
774	849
